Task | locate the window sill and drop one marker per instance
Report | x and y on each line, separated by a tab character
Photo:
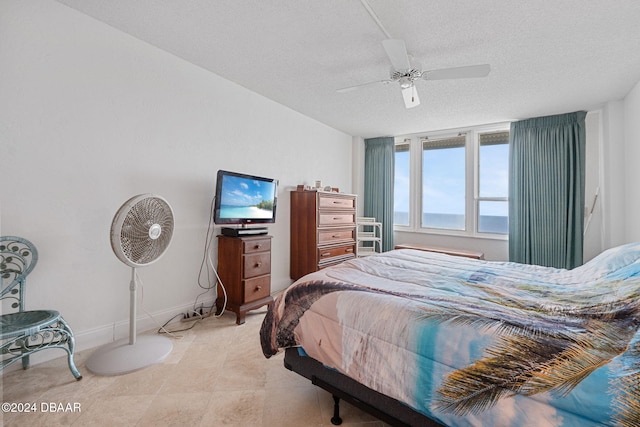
452	233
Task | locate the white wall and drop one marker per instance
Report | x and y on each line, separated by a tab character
358	172
632	169
622	174
613	196
593	237
89	117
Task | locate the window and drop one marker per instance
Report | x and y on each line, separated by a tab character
401	185
493	206
456	184
443	183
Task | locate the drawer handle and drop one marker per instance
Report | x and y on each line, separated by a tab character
335	236
326	254
336	218
258	264
258	246
258	287
349	250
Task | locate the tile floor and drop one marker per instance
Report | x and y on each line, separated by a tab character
216	375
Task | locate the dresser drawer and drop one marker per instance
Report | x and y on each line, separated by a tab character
258	245
257	288
335	218
328	201
328	254
333	261
257	264
328	236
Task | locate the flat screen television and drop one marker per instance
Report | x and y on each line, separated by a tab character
243	199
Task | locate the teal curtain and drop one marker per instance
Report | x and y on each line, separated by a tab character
546	190
379	160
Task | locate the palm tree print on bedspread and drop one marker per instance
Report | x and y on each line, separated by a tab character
547	347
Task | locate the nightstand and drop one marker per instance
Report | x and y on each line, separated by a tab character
244	267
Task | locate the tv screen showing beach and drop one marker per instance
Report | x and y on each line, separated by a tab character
246	198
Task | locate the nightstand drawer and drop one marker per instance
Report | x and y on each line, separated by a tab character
261	245
257	264
257	288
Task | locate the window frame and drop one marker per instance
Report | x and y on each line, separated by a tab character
406	142
476	195
472	181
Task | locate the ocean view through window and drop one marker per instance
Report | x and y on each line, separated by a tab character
456	183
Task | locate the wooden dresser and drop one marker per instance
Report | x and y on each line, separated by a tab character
323	230
244	266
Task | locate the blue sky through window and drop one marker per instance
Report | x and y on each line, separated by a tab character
444	187
443	181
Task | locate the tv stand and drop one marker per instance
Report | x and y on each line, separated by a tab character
243	231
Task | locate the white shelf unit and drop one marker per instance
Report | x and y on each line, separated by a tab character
369	236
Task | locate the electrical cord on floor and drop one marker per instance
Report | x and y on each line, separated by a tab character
161	327
212	280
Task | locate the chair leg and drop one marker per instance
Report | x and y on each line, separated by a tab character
73	368
25	362
71	343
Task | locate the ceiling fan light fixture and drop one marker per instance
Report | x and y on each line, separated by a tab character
405	82
410	96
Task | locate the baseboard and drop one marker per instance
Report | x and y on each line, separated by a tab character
106	334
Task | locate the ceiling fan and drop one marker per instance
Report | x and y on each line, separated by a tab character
404	72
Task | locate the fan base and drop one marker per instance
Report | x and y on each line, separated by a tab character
120	357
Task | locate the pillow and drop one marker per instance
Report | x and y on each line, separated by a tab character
613	260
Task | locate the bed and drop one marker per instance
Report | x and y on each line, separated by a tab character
422	338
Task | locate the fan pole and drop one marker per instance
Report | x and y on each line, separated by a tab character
133	288
121	357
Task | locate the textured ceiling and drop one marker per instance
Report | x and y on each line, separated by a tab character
546	56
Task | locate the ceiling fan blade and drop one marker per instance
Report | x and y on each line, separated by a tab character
468	72
397	53
410	95
351	88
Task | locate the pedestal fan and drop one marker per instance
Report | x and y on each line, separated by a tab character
140	234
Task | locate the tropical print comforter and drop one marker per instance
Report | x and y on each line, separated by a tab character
476	343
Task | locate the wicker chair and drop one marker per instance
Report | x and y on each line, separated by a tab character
23	333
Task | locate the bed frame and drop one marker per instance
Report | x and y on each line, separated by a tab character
385	408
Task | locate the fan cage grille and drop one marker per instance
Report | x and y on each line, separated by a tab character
134	245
